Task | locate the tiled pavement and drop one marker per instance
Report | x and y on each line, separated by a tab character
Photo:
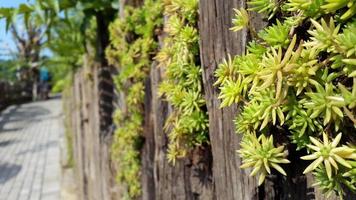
29	151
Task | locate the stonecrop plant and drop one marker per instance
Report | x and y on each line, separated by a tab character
261	154
187	124
297	81
132	48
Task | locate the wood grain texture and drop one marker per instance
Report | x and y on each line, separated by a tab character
91	144
231	182
147	152
188	179
216	42
208	173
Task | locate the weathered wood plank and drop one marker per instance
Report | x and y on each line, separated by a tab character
216	43
191	177
209	173
147	152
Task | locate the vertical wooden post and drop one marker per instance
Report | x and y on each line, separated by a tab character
102	111
190	178
217	41
231	182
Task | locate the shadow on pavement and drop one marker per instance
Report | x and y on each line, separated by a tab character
19	117
8	171
39	148
7	142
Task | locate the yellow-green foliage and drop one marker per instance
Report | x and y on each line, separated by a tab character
298	78
187	125
131	50
262	155
329	154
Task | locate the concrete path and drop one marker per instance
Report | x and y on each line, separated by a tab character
30	152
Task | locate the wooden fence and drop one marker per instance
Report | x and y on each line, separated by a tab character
211	172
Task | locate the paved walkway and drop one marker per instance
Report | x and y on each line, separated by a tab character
29	151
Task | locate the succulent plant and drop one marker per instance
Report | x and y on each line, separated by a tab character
275	66
276	35
241	20
263	6
297	77
182	84
334	5
231	92
329	185
132	59
329	153
324	102
324	35
261	154
227	71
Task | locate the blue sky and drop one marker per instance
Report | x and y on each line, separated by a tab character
5	38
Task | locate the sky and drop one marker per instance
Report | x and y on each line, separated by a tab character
5	38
